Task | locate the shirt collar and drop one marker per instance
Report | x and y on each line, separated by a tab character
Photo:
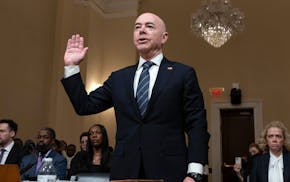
156	60
9	146
273	158
47	153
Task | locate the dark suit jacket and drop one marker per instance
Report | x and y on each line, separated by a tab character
15	155
176	106
259	172
59	162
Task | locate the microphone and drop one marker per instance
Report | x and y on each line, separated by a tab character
27	167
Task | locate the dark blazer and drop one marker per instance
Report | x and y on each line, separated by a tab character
29	162
82	163
15	155
176	106
259	172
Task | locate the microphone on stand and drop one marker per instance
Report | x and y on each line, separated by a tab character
27	167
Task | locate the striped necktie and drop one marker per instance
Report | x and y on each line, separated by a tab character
143	88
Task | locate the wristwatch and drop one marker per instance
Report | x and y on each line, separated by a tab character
196	176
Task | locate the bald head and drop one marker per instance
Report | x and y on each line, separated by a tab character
149	35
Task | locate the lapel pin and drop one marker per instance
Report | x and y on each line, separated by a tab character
169	68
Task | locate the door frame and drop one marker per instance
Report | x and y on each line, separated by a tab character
216	149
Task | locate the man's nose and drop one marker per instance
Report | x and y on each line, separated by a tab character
142	30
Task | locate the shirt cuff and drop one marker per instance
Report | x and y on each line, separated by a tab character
195	168
71	70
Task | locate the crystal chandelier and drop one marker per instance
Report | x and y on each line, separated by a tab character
217	21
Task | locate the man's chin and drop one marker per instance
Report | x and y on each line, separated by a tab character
143	48
276	148
42	149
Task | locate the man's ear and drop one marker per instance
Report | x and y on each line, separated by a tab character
12	134
164	37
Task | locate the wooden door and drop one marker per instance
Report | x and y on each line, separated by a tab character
237	128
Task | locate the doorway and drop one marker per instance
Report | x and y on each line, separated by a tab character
237	130
248	108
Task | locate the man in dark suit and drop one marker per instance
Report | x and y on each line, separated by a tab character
30	164
155	102
274	164
10	152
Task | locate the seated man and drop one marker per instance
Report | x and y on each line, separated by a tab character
30	164
10	152
69	154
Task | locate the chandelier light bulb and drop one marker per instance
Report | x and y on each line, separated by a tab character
216	22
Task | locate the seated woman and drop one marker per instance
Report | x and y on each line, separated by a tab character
97	158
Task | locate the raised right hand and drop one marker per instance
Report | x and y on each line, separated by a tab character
75	50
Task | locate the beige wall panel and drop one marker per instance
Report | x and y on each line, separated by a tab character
27	38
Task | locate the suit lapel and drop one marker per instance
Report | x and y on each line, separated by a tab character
13	155
10	155
265	169
51	154
129	85
286	163
165	71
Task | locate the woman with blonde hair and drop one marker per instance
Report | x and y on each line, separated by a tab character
273	165
262	142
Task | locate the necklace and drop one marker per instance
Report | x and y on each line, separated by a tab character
97	159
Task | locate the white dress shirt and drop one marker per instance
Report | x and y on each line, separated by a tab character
275	173
7	151
153	72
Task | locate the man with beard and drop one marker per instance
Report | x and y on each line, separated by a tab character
30	164
10	152
97	158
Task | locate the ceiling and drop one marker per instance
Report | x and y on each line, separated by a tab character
112	8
